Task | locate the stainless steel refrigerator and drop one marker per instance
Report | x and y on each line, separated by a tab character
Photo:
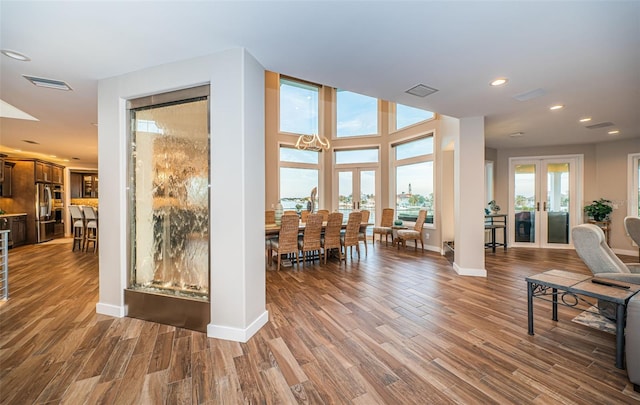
45	222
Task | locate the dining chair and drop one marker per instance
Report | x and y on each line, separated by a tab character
331	239
287	242
350	237
303	215
311	239
77	225
362	232
269	217
290	212
385	227
413	234
325	214
91	227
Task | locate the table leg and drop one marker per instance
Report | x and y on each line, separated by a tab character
504	236
530	306
554	307
620	318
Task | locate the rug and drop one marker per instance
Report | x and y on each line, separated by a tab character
595	321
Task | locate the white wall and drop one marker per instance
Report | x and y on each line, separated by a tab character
237	162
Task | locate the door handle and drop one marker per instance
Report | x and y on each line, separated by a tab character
538	206
544	206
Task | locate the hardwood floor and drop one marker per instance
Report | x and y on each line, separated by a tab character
395	327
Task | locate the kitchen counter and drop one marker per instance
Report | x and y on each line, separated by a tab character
13	215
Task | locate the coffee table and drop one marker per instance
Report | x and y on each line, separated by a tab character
572	288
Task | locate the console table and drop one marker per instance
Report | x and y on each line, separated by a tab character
571	288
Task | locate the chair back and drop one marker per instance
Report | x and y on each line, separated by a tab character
332	230
89	213
76	213
632	226
591	246
365	215
288	236
269	217
290	212
304	215
387	217
312	231
325	214
353	228
422	216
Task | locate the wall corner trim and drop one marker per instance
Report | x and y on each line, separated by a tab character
237	334
462	271
111	310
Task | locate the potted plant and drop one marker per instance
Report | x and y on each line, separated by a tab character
599	210
493	206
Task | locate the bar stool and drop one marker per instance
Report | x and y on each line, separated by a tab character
91	227
77	227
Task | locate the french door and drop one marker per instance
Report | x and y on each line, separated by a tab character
544	201
356	190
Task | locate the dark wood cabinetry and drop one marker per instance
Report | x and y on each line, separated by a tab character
83	185
17	225
6	184
48	173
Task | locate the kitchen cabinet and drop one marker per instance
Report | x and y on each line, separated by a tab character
17	225
57	174
83	185
43	172
6	184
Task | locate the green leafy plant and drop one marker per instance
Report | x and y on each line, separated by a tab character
599	210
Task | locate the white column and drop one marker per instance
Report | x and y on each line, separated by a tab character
469	198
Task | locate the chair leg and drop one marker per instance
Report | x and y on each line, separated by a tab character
365	245
279	260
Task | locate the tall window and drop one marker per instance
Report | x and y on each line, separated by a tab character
298	107
357	114
406	116
299	175
634	184
413	166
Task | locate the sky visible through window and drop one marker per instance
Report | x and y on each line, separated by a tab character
406	115
356	114
298	107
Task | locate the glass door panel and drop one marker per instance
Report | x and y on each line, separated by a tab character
556	207
345	192
525	201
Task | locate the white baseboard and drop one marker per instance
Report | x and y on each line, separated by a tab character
625	252
237	334
469	271
111	310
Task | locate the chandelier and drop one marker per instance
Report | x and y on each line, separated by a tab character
312	143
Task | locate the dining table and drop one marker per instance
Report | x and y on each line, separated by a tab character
274	229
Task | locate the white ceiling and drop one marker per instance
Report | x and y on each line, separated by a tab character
585	55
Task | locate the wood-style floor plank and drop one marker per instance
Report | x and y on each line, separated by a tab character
395	327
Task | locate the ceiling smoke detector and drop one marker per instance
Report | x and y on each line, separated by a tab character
421	90
48	83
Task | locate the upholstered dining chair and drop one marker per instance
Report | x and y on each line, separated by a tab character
311	239
385	227
362	233
632	226
287	242
350	237
77	225
413	234
90	227
331	239
591	245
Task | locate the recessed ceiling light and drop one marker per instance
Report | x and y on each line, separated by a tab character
48	83
614	132
31	142
499	81
556	107
585	119
15	55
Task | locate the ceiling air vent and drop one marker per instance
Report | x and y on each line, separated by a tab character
529	95
421	90
600	125
48	83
